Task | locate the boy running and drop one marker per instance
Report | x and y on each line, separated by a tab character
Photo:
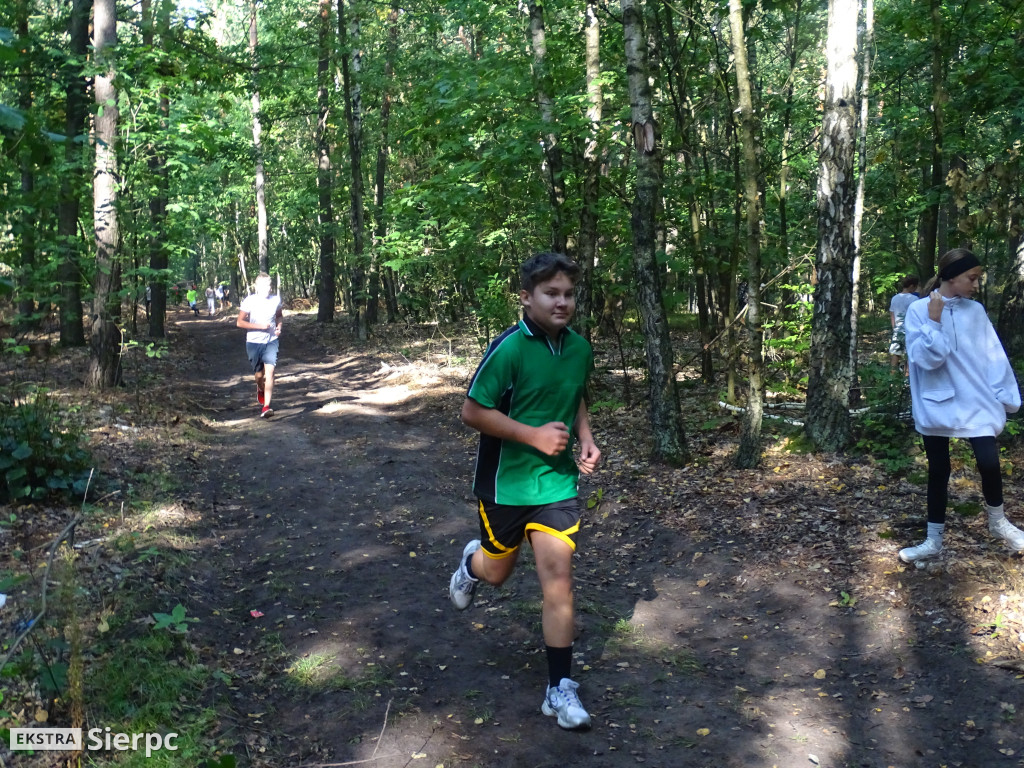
261	315
526	400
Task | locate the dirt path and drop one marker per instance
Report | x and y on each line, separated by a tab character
712	628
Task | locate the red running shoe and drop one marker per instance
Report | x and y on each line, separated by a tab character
259	396
267	412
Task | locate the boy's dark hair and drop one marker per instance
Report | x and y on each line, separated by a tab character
545	265
910	281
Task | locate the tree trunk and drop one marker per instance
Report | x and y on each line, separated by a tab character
105	341
934	183
158	255
828	389
862	168
348	33
587	245
666	420
262	231
554	174
324	172
72	330
26	227
380	177
748	455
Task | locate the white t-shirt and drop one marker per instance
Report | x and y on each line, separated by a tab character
899	305
262	311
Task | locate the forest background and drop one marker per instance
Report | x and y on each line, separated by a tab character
759	174
773	168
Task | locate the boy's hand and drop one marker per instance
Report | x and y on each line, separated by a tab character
551	438
590	455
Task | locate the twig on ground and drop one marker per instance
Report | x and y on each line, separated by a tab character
68	529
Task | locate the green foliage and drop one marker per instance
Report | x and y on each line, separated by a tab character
175	621
42	452
883	431
496	309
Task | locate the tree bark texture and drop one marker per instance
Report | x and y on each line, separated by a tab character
348	33
828	391
380	176
105	337
554	172
587	243
666	420
324	172
158	256
262	230
749	453
69	273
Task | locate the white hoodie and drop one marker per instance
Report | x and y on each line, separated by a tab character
961	383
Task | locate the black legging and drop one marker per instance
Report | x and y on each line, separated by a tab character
986	454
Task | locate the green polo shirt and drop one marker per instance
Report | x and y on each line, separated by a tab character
533	380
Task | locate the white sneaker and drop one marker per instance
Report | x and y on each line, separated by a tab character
462	586
564	702
1008	532
929	548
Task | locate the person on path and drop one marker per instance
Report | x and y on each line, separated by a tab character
210	299
897	310
218	292
527	401
961	385
192	296
261	315
149	300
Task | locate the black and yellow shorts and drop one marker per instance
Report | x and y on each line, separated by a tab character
503	527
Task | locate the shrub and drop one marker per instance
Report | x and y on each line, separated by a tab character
41	451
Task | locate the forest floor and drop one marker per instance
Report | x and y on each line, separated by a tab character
726	617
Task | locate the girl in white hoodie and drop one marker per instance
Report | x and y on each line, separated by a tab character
961	385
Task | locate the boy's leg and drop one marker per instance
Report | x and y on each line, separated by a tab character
268	385
554	568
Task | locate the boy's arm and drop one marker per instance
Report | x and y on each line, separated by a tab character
550	439
590	454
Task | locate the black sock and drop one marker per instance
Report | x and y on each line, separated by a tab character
559	664
469	568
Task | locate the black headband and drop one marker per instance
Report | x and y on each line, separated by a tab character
958	267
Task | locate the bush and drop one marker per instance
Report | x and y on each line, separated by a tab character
884	429
41	451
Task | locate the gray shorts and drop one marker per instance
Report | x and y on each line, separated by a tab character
262	354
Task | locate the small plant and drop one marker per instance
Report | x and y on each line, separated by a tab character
41	451
595	498
175	621
846	600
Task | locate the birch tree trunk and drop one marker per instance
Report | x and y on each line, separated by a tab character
828	389
324	172
587	245
554	173
749	452
666	420
262	232
105	337
72	330
862	168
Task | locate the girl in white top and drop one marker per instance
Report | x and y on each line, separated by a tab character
961	385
